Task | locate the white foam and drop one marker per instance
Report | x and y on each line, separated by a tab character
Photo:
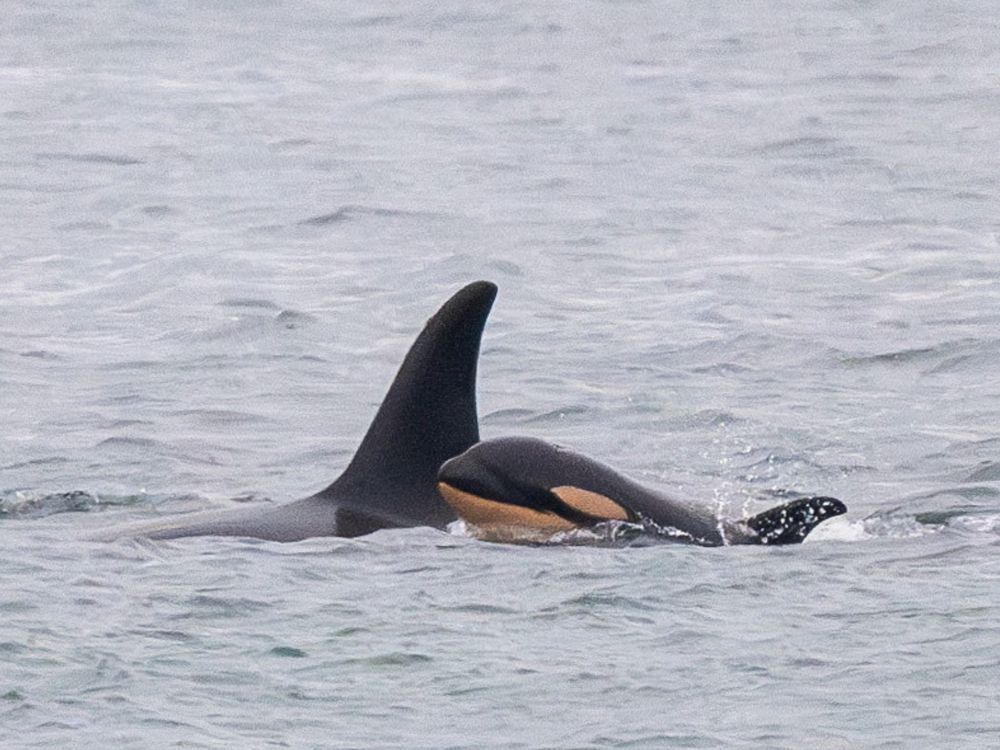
840	530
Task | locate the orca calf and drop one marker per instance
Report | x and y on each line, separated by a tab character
428	416
525	489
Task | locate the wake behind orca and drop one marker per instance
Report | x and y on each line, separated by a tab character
427	416
525	489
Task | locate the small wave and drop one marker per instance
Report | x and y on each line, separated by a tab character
121	424
558	415
132	442
881	79
945	357
47	461
608	600
83	226
42	354
378	19
721	368
392	659
889	221
502	415
979	524
293	318
250	324
352	211
905	523
479	608
988	471
134	364
92	158
29	505
763	467
251	302
206	606
507	267
807	147
220	416
709	418
899	357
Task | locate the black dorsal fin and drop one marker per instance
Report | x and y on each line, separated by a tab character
792	522
427	416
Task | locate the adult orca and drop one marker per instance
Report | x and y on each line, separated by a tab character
427	417
525	489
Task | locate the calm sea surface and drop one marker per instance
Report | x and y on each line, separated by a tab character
742	249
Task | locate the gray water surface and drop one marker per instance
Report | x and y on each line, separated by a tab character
743	251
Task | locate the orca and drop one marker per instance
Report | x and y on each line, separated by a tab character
427	416
525	489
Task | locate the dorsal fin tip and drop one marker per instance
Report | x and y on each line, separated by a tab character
429	412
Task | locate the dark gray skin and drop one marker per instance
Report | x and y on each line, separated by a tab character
428	416
523	471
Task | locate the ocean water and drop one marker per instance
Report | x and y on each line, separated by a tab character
742	250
